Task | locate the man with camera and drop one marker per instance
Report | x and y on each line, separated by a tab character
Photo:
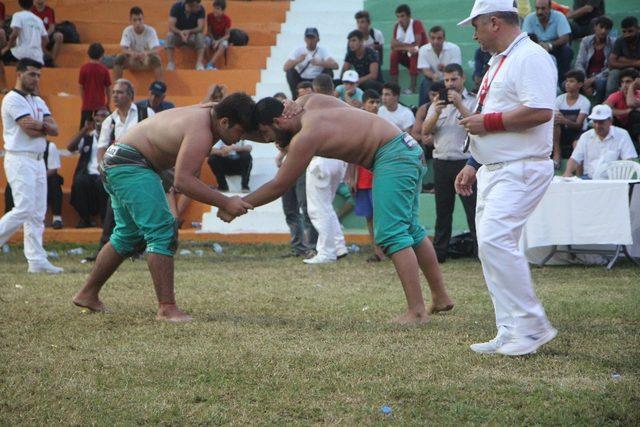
448	157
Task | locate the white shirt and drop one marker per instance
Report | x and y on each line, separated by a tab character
29	42
312	71
53	158
120	128
591	150
92	166
581	106
428	58
448	135
402	116
378	37
15	106
218	145
527	77
146	41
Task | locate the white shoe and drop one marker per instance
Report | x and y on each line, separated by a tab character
519	346
171	66
44	267
491	347
318	259
199	67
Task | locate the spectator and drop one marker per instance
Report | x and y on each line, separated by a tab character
408	37
280	96
28	36
95	84
186	27
26	124
307	62
373	38
156	100
553	32
624	115
231	160
364	60
140	47
216	93
480	66
323	84
633	122
304	88
349	91
88	197
426	139
393	111
592	58
626	52
48	16
602	144
433	57
219	28
584	13
571	111
448	155
51	158
360	180
3	43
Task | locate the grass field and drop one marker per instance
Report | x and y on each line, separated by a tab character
279	342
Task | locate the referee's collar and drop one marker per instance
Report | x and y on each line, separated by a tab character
21	93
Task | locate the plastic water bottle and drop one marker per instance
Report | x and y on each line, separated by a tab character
216	248
199	252
185	252
52	254
6	249
354	249
75	251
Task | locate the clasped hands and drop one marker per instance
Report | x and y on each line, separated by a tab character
234	207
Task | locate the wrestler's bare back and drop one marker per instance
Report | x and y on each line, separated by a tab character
348	133
160	137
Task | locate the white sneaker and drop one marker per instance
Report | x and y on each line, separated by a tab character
44	267
171	66
318	259
519	346
491	347
199	67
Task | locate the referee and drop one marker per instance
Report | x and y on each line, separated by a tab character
511	136
27	121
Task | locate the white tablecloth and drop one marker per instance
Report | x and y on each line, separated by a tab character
583	212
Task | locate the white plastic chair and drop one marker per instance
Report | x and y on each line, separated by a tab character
623	170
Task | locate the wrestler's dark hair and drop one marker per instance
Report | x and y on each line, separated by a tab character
239	108
370	94
25	63
268	109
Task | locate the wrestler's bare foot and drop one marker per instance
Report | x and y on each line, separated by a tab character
411	319
171	313
92	303
440	306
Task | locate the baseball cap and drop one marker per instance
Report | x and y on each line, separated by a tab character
312	32
350	76
481	7
158	88
601	112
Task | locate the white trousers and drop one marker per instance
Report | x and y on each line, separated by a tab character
506	198
28	180
323	178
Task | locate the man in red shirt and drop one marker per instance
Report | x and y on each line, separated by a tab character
48	17
408	36
95	84
219	27
625	103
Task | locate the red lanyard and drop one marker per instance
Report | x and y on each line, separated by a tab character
486	84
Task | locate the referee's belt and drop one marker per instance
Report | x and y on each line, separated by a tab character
499	165
32	154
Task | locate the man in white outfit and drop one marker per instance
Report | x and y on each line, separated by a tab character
27	121
323	178
511	142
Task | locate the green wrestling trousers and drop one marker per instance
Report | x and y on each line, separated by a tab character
397	183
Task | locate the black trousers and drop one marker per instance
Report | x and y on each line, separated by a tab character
444	175
236	165
54	195
88	196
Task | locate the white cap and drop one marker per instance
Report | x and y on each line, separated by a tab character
481	7
601	112
350	76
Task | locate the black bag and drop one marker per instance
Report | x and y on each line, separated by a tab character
461	246
238	37
69	32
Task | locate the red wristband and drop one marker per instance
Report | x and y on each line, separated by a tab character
493	122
